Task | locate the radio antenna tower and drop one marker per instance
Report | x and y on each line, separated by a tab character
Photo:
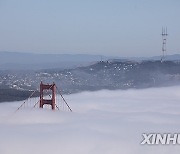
164	39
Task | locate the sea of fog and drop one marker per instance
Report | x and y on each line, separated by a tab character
102	122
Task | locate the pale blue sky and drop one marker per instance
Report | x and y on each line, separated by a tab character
107	27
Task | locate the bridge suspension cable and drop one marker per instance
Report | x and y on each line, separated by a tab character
63	105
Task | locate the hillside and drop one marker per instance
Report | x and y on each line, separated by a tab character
100	75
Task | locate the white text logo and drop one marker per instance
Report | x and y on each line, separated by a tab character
161	139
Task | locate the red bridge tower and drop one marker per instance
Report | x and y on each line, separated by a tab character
51	101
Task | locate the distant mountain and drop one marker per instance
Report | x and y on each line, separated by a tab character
175	57
27	61
31	61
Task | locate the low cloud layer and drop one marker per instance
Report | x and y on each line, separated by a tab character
103	122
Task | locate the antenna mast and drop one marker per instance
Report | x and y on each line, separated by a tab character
164	39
